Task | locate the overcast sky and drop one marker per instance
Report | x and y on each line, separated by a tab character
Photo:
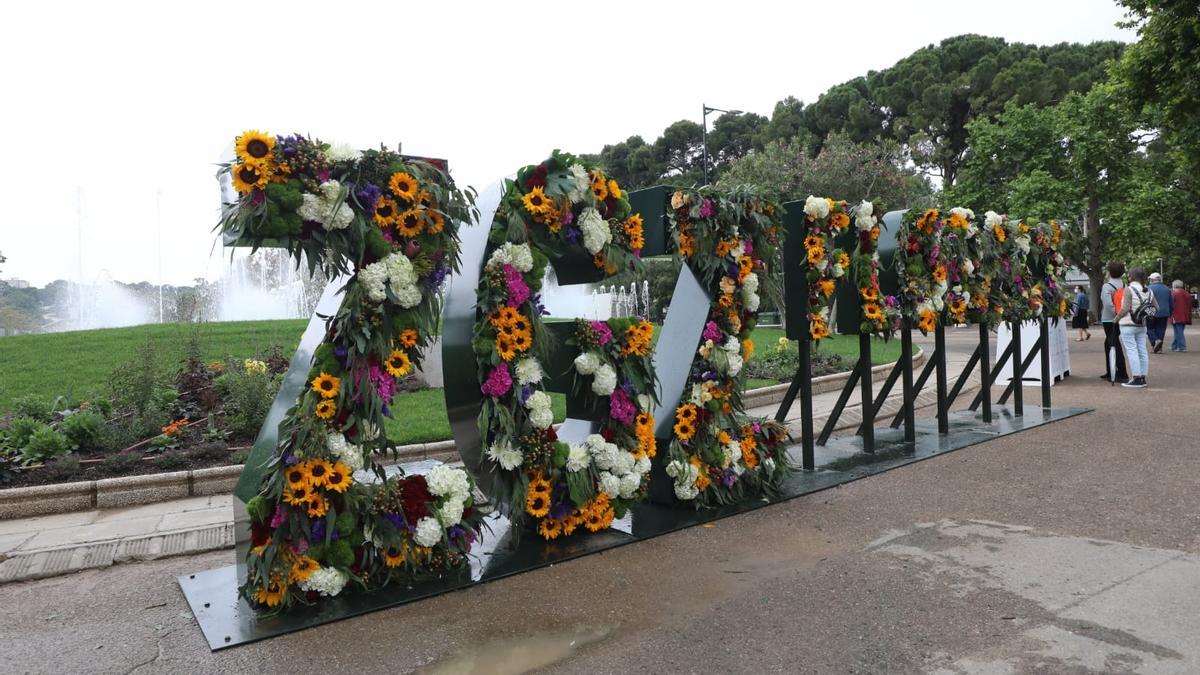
118	101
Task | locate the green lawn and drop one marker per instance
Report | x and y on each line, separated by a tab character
846	346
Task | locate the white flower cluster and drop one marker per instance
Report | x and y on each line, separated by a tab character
968	267
596	233
429	532
452	485
863	218
620	474
343	451
583	183
968	214
541	415
517	255
328	208
327	581
733	356
816	207
506	456
750	292
341	153
394	272
1022	242
605	378
992	219
733	458
702	392
529	371
685	475
587	363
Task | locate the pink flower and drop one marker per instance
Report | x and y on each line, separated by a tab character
603	332
706	209
712	331
621	407
499	381
518	291
279	516
384	383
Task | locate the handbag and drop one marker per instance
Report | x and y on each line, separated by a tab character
1145	309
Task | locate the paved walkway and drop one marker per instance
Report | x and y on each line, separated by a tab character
1073	547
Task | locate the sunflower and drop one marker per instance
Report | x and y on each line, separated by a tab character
817	328
869	293
928	321
398	363
318	471
317	506
939	273
536	201
537	504
749	457
816	255
339	478
507	316
386	211
408	338
254	146
843	259
403	185
875	233
409	223
958	221
927	220
539	484
326	385
687	245
296	496
686	412
521	341
247	177
872	312
297	477
437	222
1001	235
813	241
550	528
272	594
505	349
425	199
520	324
958	305
326	409
826	287
747	349
571	522
839	220
684	430
600	189
302	568
614	190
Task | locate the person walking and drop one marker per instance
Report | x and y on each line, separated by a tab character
1108	316
1133	333
1080	319
1181	314
1156	327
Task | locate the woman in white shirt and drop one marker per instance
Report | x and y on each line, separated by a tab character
1133	335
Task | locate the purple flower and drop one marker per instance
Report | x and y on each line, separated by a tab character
571	234
257	197
318	529
323	175
459	532
560	503
436	277
712	331
603	332
728	478
279	516
539	307
367	195
706	208
526	392
341	354
757	429
397	520
568	218
518	292
749	246
290	460
621	408
499	381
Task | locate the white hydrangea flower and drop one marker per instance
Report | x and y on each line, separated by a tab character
578	459
642	466
733	452
686	492
538	399
596	233
968	267
735	364
529	371
447	481
863	219
451	513
407	296
506	456
517	255
429	532
732	345
587	363
541	418
629	485
605	380
992	219
610	484
675	468
751	283
328	208
1022	243
583	183
817	207
751	300
824	262
342	152
328	581
700	395
344	452
645	402
624	463
604	455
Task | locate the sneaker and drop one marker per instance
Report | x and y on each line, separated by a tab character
1158	346
1135	383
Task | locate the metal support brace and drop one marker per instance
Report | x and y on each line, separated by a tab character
1044	348
985	376
867	429
943	404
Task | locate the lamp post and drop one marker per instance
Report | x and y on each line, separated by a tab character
704	133
1160	267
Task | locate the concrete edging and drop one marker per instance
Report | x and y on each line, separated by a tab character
107	493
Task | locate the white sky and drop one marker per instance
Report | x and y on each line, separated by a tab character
121	99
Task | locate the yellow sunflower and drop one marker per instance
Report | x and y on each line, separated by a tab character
296	496
939	273
816	255
398	363
684	430
387	211
425	199
869	293
317	506
318	471
403	186
247	177
537	504
505	349
826	287
326	409
600	189
339	478
536	201
394	557
839	220
272	594
843	259
550	528
538	483
303	568
326	385
409	223
437	222
1001	235
614	190
254	146
408	338
686	412
297	477
928	321
872	312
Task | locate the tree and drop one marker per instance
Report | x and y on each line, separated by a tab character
2	258
787	122
842	170
678	151
631	162
732	137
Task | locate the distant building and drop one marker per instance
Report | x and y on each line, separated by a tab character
17	283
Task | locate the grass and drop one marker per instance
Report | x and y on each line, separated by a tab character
847	346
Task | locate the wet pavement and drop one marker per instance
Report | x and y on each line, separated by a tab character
1074	547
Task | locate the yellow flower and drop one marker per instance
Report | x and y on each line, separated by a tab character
826	287
318	471
872	312
813	241
1001	235
254	146
403	186
272	594
339	478
614	190
326	409
437	222
747	348
409	223
869	293
254	366
398	363
843	260
537	504
816	255
782	344
939	273
839	220
550	528
317	506
247	177
302	568
326	385
296	477
394	557
408	338
600	189
297	496
536	201
958	221
386	211
928	321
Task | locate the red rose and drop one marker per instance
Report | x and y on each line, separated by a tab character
260	533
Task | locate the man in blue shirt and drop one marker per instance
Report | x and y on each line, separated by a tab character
1080	318
1156	328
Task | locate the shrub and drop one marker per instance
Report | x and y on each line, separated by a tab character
85	430
45	444
39	408
171	460
18	434
211	451
122	462
248	396
62	469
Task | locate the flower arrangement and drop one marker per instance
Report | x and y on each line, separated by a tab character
824	262
976	265
923	267
390	223
551	207
1015	295
1049	267
879	312
717	454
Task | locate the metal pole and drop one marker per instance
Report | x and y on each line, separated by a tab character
985	373
943	404
806	412
868	401
704	140
1044	338
1018	371
909	405
158	219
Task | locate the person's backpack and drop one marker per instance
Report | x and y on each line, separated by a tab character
1117	296
1146	309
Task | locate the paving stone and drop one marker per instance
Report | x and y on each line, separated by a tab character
192	519
187	505
11	542
73	536
133	490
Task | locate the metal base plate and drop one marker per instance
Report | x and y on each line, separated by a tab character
226	620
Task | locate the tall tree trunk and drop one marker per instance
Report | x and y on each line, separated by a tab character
1095	251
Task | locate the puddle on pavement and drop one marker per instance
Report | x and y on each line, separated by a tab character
516	654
